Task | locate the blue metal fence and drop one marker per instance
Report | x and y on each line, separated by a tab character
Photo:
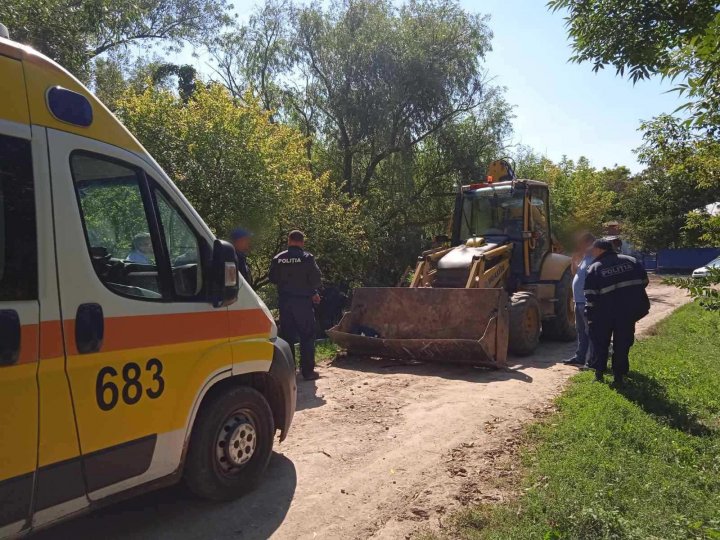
648	260
684	259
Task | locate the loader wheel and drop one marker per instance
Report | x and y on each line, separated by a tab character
524	323
562	326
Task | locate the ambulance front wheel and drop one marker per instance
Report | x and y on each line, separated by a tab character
230	445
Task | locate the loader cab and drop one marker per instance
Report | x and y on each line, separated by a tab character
515	212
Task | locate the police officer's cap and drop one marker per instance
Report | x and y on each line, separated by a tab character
603	243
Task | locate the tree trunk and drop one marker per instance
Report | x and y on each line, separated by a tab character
347	170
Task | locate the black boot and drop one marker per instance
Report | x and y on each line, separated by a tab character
599	375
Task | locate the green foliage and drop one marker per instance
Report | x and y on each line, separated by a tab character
633	35
636	463
108	81
410	198
74	32
705	226
256	55
237	167
705	291
391	99
699	63
674	38
324	351
383	78
666	206
581	196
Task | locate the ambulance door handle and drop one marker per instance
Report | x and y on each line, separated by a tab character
9	337
89	328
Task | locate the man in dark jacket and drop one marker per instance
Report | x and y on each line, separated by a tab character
615	300
241	242
298	279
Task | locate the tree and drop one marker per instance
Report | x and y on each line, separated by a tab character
705	226
74	32
410	199
383	79
679	181
391	100
257	54
581	196
641	38
108	81
185	74
237	167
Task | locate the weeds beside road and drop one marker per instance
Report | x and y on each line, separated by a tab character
639	462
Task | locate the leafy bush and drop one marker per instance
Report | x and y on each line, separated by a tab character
237	167
705	291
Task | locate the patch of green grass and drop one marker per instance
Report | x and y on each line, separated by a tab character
635	463
325	350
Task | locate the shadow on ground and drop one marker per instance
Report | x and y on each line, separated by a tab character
307	397
652	398
462	372
173	513
548	354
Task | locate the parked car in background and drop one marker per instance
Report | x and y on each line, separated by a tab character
703	271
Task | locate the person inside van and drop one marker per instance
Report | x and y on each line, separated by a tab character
142	251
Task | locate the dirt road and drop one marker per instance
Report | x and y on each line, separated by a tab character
377	450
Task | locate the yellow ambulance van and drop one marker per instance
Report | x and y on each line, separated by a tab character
132	353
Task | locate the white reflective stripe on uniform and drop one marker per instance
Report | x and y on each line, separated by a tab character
620	285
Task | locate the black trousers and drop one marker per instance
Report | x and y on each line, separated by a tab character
297	324
622	332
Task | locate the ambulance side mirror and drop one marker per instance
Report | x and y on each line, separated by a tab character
224	282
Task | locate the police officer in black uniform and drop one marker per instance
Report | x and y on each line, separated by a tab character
615	300
298	279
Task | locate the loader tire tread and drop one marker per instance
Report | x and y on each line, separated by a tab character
562	326
524	338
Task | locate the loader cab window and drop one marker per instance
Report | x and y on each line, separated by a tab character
117	230
539	226
492	212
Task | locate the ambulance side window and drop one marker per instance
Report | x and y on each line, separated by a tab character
182	246
18	236
117	231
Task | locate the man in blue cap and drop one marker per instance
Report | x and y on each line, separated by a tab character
241	241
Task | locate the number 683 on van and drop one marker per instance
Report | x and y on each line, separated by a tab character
127	385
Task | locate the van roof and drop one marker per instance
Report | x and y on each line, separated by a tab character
41	73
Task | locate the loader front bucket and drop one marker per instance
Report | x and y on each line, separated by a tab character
435	325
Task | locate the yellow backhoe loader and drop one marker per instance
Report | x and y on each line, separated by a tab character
497	288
